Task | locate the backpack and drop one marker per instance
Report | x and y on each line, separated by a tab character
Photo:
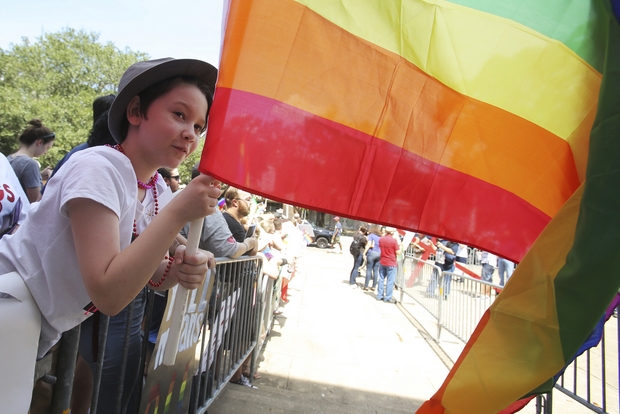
356	245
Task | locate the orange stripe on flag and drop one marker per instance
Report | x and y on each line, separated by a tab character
289	53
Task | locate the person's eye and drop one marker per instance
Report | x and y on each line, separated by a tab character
201	131
180	114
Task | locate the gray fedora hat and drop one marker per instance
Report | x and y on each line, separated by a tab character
141	75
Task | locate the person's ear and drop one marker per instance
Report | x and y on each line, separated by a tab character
133	111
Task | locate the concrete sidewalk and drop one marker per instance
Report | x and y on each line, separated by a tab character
336	349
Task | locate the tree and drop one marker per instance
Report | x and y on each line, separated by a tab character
56	79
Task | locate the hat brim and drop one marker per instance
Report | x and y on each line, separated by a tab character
167	69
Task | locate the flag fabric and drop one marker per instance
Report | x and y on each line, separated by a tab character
562	286
466	119
490	123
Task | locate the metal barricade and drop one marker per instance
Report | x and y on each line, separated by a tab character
270	300
592	379
418	279
464	301
232	326
239	315
457	301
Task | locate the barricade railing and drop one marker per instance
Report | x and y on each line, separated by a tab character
457	301
592	379
415	278
464	301
233	325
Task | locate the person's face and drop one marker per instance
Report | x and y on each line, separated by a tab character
174	181
173	125
42	148
243	203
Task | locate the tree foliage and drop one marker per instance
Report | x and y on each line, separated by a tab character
56	79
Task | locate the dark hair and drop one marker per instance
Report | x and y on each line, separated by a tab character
363	230
100	134
165	172
150	94
230	194
101	105
36	131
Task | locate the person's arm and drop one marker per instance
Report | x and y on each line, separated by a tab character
113	277
399	245
248	248
445	248
178	241
33	194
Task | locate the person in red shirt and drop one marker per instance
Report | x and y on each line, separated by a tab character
390	247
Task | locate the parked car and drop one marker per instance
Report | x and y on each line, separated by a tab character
321	237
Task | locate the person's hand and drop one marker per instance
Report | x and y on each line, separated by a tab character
46	173
199	198
192	269
251	243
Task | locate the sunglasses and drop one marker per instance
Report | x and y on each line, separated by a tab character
176	177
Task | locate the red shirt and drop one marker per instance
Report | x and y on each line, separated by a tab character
388	246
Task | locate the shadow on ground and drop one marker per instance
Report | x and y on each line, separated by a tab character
279	395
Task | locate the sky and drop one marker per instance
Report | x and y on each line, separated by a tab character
160	28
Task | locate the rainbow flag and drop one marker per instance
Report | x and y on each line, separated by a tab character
476	120
448	118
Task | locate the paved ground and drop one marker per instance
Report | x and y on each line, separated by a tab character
337	349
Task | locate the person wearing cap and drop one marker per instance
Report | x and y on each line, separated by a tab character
337	234
86	246
34	141
390	248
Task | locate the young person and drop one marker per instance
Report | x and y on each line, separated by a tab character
74	253
35	141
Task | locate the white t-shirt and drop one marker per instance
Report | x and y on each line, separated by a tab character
42	250
488	258
463	251
14	203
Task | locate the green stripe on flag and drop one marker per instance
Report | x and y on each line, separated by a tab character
589	280
577	24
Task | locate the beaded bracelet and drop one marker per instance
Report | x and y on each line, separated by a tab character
170	260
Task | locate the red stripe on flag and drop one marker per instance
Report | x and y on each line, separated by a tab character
395	187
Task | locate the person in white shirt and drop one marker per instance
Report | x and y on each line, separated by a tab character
489	263
74	253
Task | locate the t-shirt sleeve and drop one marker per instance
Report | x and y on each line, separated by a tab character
216	236
27	171
91	176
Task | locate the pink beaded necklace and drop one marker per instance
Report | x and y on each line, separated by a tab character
150	184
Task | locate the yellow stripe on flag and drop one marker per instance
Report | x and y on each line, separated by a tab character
489	58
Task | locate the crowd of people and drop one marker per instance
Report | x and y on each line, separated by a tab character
88	238
111	219
375	249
